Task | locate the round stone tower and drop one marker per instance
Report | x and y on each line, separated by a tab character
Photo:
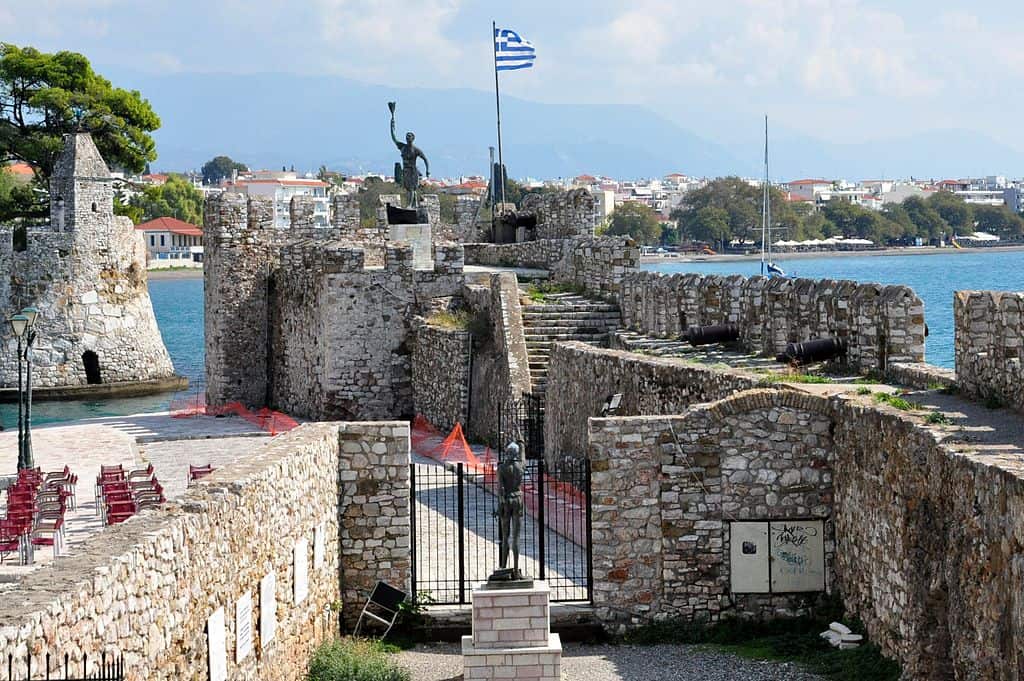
86	273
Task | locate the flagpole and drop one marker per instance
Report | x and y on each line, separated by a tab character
497	106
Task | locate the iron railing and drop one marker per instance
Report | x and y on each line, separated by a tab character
455	531
61	668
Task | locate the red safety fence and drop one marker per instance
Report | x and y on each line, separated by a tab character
267	419
564	503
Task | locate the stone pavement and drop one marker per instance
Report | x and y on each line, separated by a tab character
132	441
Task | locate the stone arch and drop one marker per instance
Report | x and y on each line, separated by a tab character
766	398
91	362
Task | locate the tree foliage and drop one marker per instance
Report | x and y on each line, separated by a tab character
635	220
741	203
219	168
176	198
369	198
44	96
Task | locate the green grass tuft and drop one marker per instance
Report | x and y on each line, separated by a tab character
863	390
938	418
355	660
896	401
771	378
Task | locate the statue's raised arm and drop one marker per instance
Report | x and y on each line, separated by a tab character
394	137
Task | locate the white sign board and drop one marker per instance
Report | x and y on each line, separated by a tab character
216	646
748	557
243	627
318	546
268	609
798	556
300	564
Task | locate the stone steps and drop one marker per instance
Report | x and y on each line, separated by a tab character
564	317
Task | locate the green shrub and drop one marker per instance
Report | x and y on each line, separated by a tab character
355	660
938	418
896	401
863	390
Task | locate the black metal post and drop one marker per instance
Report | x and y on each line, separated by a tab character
412	528
462	533
21	412
541	525
29	459
587	529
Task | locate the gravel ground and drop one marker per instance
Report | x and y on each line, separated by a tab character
443	662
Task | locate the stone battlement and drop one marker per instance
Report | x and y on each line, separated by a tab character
989	345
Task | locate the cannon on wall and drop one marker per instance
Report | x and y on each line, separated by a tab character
714	333
815	350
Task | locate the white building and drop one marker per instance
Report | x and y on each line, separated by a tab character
281	187
171	242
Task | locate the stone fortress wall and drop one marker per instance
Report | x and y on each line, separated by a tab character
880	324
926	539
989	345
86	273
325	506
298	321
441	365
562	215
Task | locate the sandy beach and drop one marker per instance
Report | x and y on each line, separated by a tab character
910	250
190	273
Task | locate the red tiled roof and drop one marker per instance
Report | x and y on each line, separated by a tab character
799	182
156	177
23	169
586	178
172	225
676	175
471	184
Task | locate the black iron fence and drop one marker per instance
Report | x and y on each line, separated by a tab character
455	530
61	668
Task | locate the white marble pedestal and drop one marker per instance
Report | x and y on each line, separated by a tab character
418	236
512	636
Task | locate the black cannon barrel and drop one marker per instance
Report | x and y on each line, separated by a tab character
715	333
815	350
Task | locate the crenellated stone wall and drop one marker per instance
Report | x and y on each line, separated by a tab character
598	264
303	324
989	345
581	377
440	374
562	215
880	324
145	588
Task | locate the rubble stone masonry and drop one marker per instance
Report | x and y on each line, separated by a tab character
440	375
989	345
145	588
880	324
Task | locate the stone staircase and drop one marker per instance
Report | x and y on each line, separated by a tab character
564	317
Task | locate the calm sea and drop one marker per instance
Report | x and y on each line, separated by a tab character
178	304
933	277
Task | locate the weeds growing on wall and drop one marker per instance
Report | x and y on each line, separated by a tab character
795	640
937	418
356	660
769	379
538	292
459	320
896	401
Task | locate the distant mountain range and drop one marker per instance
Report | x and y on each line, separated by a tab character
270	120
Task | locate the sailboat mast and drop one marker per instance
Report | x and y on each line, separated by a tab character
767	193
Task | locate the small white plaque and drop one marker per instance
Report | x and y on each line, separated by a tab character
300	563
243	627
318	546
216	645
268	609
798	556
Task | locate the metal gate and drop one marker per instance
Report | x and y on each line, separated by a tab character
455	531
57	668
522	420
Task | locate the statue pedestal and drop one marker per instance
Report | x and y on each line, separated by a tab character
512	636
419	237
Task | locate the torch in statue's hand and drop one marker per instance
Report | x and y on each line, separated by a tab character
391	108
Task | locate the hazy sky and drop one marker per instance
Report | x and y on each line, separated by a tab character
842	70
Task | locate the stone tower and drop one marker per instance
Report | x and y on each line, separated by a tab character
86	273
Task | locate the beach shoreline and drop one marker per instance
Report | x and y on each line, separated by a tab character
909	250
190	273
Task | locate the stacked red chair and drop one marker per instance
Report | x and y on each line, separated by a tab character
35	513
197	472
121	494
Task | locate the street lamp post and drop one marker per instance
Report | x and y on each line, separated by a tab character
23	326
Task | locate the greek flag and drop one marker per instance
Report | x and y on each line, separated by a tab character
511	52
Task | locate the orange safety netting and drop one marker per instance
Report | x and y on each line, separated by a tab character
272	421
564	504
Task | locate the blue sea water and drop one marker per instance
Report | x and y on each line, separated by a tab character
178	306
933	277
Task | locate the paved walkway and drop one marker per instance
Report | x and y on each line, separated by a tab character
171	444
